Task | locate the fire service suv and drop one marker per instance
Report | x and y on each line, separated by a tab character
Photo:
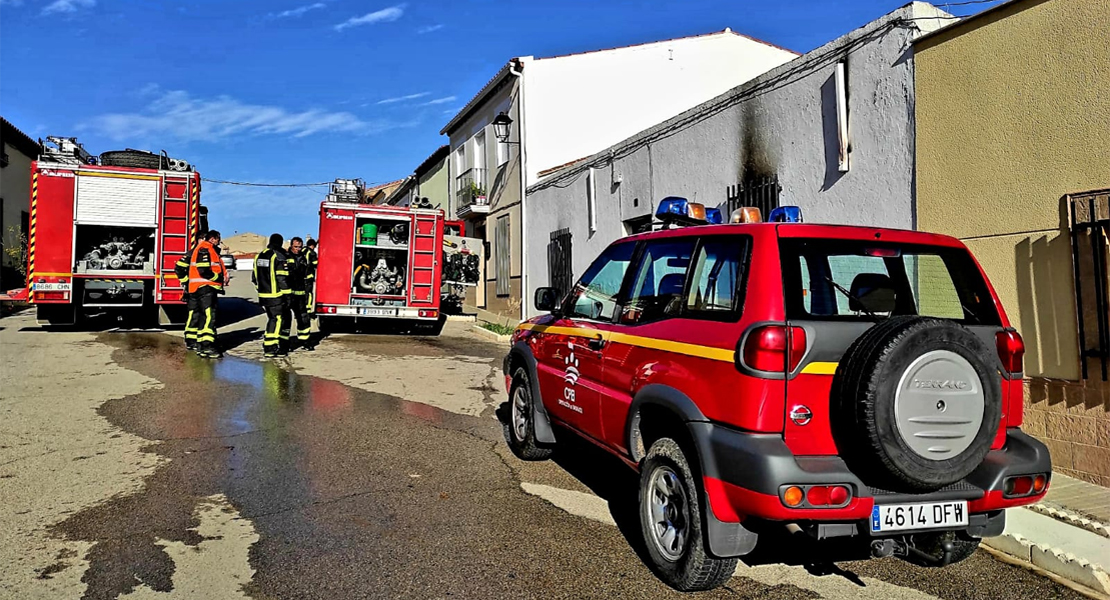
833	382
105	233
379	262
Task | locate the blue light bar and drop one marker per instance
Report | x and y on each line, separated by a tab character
671	206
713	216
785	214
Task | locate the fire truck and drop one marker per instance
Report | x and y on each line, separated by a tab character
378	262
106	231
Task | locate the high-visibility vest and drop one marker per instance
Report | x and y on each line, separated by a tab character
271	273
206	268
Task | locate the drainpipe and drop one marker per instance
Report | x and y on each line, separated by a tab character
517	70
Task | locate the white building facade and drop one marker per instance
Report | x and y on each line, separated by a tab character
832	131
567	107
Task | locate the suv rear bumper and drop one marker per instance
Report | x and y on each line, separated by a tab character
743	473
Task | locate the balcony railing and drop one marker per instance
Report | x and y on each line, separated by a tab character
470	193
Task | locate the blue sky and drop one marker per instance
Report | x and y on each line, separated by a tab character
307	91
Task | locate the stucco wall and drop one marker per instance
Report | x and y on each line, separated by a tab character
580	103
1012	114
15	189
783	123
434	186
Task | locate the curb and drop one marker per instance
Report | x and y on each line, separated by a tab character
502	339
1072	518
1053	560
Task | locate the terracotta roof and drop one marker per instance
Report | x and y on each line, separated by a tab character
563	166
727	30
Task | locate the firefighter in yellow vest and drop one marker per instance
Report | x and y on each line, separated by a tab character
271	279
312	259
298	283
207	277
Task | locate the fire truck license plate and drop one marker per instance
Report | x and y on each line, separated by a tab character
378	312
52	287
927	515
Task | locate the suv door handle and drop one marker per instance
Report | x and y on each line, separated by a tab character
596	343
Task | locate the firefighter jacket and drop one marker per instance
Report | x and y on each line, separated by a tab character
300	273
206	268
271	273
313	261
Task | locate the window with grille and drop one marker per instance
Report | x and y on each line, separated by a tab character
559	270
501	254
1090	242
760	192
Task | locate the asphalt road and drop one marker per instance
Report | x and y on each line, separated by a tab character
372	468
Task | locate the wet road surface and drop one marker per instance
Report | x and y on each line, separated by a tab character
267	482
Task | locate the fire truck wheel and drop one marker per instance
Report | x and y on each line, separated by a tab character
520	430
671	521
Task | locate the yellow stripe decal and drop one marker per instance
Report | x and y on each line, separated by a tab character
820	368
117	175
53	274
696	350
34	216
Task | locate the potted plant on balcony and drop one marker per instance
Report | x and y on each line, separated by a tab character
477	193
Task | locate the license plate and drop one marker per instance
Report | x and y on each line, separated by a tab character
377	312
926	515
52	287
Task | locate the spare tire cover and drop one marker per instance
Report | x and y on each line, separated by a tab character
916	403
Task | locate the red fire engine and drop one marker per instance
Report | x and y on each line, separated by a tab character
376	261
105	233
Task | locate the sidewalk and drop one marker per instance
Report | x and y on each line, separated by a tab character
1067	534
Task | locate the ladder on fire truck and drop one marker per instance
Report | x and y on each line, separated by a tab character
425	258
179	222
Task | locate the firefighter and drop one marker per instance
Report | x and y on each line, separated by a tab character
271	279
181	271
298	283
207	277
313	261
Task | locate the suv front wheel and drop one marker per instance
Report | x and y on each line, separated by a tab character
670	519
520	430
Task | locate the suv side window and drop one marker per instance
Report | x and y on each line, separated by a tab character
660	281
594	297
716	279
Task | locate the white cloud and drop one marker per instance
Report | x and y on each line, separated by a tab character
443	100
429	28
385	15
403	98
67	6
300	10
178	115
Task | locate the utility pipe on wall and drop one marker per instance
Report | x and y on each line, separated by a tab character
842	118
517	70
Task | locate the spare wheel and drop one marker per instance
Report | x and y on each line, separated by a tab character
917	403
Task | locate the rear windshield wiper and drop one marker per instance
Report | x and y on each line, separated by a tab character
848	294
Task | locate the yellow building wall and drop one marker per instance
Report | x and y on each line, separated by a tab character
1012	113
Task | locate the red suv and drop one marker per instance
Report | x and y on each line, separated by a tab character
847	381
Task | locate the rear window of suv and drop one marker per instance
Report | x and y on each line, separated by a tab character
828	279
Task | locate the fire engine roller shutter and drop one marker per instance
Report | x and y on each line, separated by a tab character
117	201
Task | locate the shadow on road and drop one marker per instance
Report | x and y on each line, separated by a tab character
612	480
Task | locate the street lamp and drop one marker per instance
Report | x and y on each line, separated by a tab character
501	125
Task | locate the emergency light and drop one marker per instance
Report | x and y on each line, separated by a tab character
678	209
785	214
713	216
747	214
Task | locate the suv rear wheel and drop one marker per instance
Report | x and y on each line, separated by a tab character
520	430
670	518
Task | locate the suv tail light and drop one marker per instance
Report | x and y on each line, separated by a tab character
1011	349
773	348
